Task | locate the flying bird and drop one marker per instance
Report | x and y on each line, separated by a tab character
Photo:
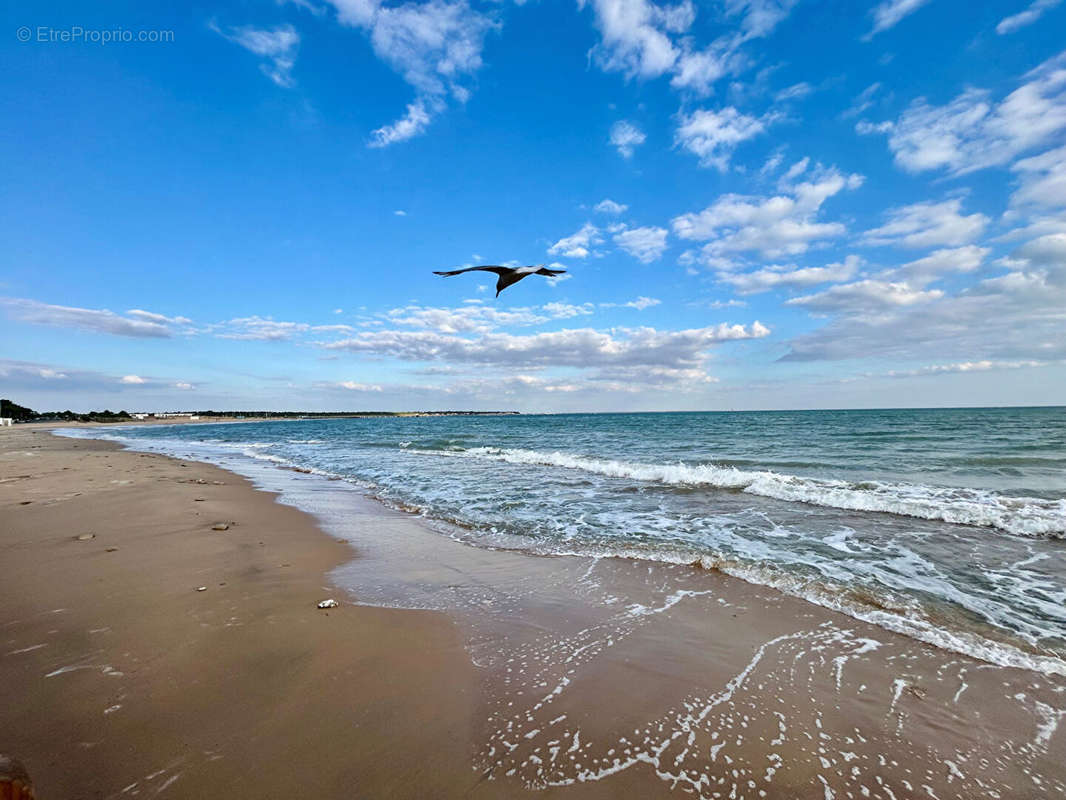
508	275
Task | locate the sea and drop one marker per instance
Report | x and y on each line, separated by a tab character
944	525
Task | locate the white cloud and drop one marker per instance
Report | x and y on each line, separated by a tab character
642	303
66	383
161	319
278	46
184	386
142	325
354	386
643	39
410	125
759	17
608	206
263	329
771	165
775	277
435	46
714	135
566	310
938	264
1016	22
928	225
577	245
865	296
796	170
972	132
1015	316
636	35
861	103
626	136
644	244
475	317
795	92
400	213
773	226
964	366
1042	180
698	70
584	348
890	12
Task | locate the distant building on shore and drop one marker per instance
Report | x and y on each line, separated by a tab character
6	422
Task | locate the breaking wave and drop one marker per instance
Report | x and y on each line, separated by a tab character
1022	516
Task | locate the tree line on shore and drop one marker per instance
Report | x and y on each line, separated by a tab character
12	410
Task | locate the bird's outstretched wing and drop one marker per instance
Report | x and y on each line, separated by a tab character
486	268
546	271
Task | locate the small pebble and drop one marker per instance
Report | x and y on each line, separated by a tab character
331	603
201	588
85	537
111	549
221	526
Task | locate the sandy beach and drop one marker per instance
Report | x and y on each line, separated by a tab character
446	670
121	679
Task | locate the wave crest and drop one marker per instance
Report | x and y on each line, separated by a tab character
1022	516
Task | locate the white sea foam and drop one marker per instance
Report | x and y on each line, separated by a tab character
1023	516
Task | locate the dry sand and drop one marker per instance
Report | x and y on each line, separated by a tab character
569	676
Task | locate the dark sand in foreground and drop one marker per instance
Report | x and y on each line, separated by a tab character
571	676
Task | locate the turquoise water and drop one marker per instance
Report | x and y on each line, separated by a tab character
947	525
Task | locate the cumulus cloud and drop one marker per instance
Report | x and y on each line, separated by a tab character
927	225
714	135
644	244
435	46
636	35
135	380
277	46
578	244
1016	22
776	226
973	132
889	12
1016	316
625	136
137	324
643	39
784	277
608	206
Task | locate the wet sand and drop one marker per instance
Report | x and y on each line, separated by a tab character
448	670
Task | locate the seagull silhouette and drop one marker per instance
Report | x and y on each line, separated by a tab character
508	275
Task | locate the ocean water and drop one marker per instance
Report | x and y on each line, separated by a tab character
946	525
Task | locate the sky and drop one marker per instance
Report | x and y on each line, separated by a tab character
758	204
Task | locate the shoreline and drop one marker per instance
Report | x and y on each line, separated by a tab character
740	684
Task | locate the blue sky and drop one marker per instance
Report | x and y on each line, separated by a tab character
760	204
